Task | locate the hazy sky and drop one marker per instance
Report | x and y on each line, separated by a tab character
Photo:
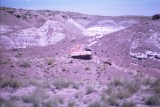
96	7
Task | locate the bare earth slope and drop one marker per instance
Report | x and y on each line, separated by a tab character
138	45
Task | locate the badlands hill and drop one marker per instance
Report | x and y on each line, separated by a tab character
36	69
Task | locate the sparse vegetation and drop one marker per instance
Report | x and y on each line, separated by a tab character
36	98
156	86
71	104
64	69
5	62
89	90
131	86
13	83
153	100
128	104
8	104
119	90
59	84
18	55
14	49
109	100
117	82
25	64
95	104
87	68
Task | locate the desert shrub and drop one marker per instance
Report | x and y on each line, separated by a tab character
128	104
95	104
14	49
120	93
3	62
71	104
119	89
108	63
89	90
9	104
18	55
59	84
11	65
53	102
59	100
18	16
87	68
49	104
112	101
156	89
102	66
25	64
64	69
155	85
117	92
78	94
75	85
5	82
147	81
153	100
117	82
36	98
132	86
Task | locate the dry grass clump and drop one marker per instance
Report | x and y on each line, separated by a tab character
153	100
112	101
13	83
36	98
60	84
87	68
130	86
4	103
156	86
89	90
25	64
5	62
18	55
71	104
128	104
119	90
54	102
40	98
98	104
117	82
95	104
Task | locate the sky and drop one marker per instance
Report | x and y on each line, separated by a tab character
92	7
